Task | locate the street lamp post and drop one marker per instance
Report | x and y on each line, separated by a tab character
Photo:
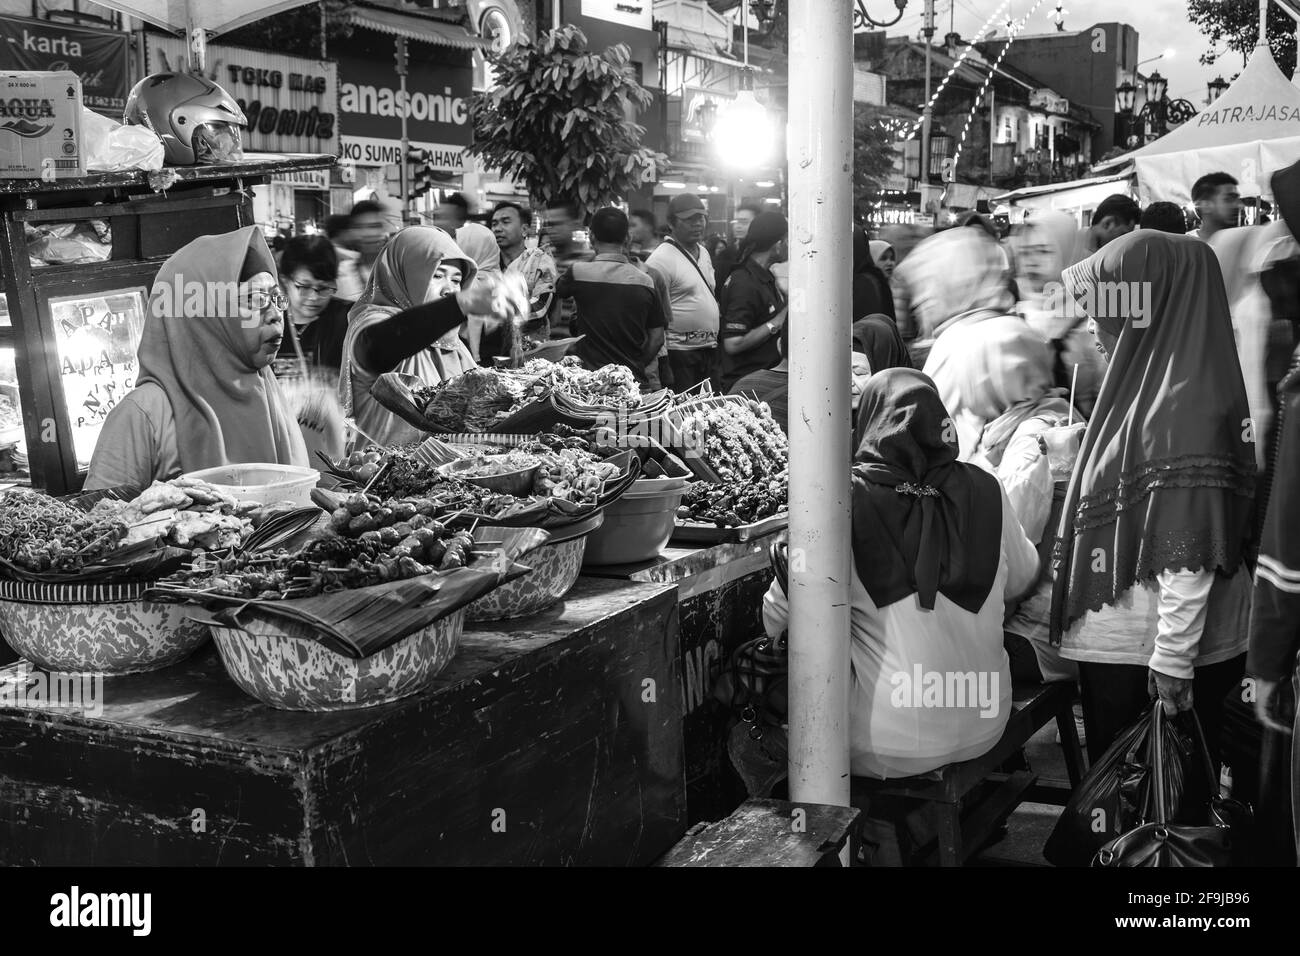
819	151
926	113
1215	88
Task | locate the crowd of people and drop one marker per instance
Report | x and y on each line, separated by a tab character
1062	435
1110	391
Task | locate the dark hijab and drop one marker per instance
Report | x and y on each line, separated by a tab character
878	339
1166	474
871	293
923	523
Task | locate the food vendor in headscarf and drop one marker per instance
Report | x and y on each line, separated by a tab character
420	292
205	395
1152	589
937	550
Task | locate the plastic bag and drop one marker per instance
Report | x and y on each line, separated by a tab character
112	147
63	243
1115	796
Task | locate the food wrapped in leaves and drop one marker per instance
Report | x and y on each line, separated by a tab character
473	401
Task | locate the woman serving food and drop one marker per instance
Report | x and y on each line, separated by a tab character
407	320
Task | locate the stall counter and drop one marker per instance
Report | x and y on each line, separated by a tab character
720	589
549	740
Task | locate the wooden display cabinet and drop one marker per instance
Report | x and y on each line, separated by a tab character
73	329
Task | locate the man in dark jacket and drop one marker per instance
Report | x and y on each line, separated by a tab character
753	307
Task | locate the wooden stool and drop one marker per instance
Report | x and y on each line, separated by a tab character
1032	707
768	833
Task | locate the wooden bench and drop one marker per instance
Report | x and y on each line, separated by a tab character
768	833
1033	706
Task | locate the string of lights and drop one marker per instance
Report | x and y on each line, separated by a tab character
952	71
979	97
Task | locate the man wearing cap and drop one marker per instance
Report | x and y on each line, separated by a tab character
618	312
684	264
753	307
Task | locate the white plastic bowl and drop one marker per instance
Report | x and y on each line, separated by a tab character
262	482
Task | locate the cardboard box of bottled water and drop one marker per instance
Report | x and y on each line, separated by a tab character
40	125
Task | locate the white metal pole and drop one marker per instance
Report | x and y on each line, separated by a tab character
820	158
1263	23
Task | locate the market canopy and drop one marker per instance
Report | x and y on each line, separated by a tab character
214	16
1250	132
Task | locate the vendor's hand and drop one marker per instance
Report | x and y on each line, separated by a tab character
504	298
1175	693
1266	705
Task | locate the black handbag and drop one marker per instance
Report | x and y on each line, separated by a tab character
1164	841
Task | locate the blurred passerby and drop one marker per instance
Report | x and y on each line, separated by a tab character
642	237
729	258
370	234
339	231
871	292
474	238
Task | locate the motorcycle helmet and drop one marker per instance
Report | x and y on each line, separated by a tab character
195	118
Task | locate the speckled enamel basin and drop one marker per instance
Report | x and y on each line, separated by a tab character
95	629
281	664
556	566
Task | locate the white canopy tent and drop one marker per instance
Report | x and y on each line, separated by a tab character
1250	132
199	19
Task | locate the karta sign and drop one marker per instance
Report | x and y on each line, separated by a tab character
290	102
435	104
98	57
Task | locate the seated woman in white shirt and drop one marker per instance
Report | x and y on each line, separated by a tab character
937	550
1152	592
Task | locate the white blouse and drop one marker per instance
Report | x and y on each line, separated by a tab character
928	687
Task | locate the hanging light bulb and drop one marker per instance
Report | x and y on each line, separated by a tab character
743	135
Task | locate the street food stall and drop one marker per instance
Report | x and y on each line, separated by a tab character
78	257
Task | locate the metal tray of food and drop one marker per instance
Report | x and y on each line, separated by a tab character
695	532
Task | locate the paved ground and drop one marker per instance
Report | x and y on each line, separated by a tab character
1030	825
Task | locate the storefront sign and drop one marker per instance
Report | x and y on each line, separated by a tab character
291	103
305	179
436	106
638	14
700	110
97	56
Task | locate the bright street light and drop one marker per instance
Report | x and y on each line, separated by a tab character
743	134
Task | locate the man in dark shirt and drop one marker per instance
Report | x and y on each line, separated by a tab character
771	385
618	309
753	308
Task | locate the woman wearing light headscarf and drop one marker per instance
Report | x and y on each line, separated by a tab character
937	550
420	292
1152	591
952	277
205	395
1042	249
883	255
